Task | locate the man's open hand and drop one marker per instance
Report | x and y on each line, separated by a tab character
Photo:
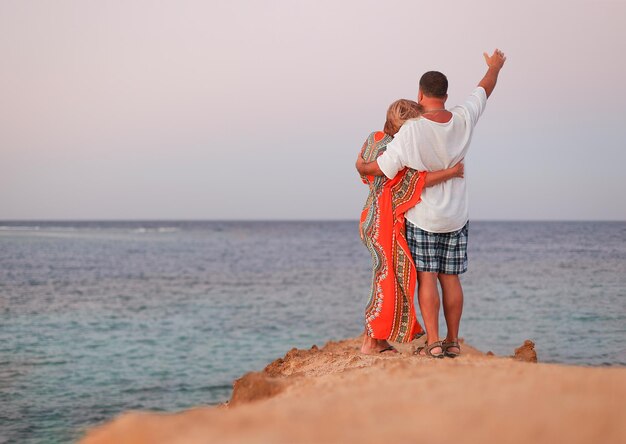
496	60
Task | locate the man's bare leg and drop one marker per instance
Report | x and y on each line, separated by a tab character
428	297
452	306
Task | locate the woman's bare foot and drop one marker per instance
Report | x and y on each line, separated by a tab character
369	346
373	346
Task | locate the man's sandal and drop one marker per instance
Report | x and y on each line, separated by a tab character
447	345
428	350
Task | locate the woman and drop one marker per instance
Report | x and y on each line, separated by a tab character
390	314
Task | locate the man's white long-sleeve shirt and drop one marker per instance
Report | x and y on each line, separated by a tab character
425	145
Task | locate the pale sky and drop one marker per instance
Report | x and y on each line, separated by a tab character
182	109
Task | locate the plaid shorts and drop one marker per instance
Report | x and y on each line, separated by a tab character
438	252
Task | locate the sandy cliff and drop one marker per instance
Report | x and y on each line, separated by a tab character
336	395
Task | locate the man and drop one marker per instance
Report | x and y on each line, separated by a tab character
437	227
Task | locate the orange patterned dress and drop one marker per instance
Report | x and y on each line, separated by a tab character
390	312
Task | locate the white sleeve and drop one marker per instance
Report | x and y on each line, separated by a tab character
394	157
475	104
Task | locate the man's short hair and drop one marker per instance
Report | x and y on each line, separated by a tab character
434	84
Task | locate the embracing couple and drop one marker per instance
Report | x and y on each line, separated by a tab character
415	220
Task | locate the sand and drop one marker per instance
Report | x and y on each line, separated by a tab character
337	395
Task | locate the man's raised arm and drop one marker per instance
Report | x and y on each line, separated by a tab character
495	62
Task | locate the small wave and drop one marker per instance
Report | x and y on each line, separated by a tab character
61	228
168	229
36	228
156	230
19	228
53	362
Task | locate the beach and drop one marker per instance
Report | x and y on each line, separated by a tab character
335	394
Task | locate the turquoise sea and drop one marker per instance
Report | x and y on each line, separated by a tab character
97	318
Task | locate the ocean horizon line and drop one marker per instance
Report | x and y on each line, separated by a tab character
259	220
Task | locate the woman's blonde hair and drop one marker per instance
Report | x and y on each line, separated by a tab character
399	112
